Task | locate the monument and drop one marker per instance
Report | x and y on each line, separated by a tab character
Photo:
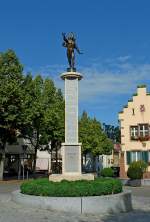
71	148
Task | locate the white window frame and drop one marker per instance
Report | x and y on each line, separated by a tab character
136	155
143	130
134	131
148	155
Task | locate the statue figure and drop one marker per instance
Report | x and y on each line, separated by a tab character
70	44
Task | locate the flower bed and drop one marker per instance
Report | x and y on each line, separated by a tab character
97	187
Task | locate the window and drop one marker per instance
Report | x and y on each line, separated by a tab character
133	113
134	132
143	130
149	156
133	156
128	157
137	155
139	132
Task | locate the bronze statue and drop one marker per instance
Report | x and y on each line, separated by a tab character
70	44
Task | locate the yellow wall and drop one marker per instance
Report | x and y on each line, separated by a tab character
127	119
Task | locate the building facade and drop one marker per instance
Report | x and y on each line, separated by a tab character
135	131
19	157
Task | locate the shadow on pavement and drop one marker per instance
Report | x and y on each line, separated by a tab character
135	215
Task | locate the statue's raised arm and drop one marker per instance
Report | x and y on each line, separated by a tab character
70	44
64	36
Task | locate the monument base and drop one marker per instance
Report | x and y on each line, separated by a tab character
71	177
71	159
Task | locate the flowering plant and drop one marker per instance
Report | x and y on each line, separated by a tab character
140	138
143	138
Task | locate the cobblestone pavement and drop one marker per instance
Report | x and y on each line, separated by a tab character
11	212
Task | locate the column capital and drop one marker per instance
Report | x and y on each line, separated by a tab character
71	75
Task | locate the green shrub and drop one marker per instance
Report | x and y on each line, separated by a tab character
97	187
107	172
136	169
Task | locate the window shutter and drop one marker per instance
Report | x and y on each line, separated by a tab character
145	156
128	157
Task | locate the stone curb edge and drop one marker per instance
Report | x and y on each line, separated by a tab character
116	203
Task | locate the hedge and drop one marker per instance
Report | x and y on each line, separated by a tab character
107	172
97	187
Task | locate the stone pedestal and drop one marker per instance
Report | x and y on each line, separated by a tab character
71	159
71	149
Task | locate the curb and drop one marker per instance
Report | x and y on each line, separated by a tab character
11	181
115	203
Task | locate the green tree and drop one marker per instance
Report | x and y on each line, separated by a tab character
55	128
11	78
43	113
112	132
93	139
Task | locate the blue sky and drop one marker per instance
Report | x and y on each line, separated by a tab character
113	34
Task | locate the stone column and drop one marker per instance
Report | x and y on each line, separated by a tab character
71	149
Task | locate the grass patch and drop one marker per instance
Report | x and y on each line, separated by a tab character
97	187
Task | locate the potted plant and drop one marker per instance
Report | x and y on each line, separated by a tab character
135	172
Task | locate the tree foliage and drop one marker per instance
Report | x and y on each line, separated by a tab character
31	106
42	114
93	139
112	132
11	78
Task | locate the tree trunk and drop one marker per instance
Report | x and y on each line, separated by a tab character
51	162
2	166
34	163
85	158
2	161
19	167
35	154
94	164
81	163
56	158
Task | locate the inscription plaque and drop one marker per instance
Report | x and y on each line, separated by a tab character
71	158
